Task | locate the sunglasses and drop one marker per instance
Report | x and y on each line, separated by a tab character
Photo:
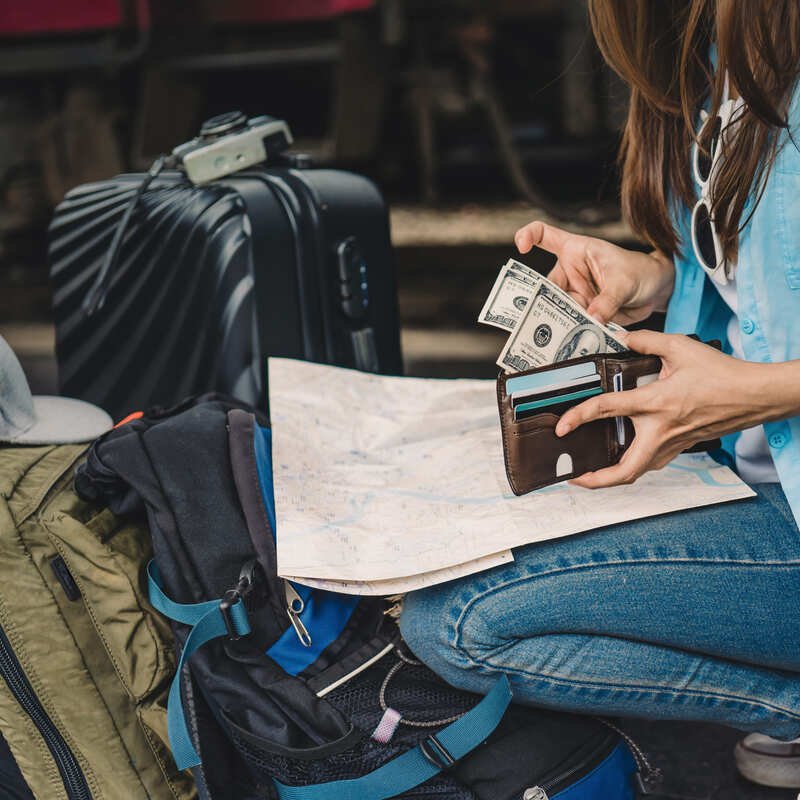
706	243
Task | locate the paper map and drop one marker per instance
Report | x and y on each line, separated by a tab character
386	484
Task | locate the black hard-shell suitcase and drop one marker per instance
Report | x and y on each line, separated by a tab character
278	260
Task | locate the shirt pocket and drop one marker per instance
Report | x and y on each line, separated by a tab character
784	186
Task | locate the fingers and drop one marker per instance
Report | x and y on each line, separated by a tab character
632	465
608	404
561	278
579	287
650	343
604	307
558	276
540	234
581	299
565	280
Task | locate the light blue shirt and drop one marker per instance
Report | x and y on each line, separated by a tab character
768	288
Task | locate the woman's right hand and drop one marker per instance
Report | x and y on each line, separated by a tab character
611	283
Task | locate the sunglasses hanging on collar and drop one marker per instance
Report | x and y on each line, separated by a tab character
706	243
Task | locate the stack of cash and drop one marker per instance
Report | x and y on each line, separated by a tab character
546	325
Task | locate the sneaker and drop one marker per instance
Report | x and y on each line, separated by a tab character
769	762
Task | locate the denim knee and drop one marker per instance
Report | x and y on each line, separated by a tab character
428	629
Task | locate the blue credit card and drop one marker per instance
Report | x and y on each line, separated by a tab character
562	387
562	398
540	379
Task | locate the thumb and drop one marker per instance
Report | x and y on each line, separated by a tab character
540	234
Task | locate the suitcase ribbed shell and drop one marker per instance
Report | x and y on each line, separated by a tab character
179	316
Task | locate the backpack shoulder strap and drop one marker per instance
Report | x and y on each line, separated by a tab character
209	620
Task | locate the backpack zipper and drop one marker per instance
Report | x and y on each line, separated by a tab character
544	790
294	608
71	773
647	775
535	793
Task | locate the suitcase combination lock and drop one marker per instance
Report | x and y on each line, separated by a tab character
351	270
353	286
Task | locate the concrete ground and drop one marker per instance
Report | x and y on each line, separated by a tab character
697	762
446	262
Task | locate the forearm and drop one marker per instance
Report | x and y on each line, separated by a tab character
666	269
774	390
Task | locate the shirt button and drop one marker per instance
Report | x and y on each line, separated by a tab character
748	326
777	440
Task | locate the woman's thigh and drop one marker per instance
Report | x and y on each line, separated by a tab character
723	581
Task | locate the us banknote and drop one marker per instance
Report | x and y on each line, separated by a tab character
554	328
514	286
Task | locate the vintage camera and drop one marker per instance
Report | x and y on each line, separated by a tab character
231	142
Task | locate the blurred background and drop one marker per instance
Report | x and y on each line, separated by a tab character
473	117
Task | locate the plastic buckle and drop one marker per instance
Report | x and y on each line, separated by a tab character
239	594
436	753
231	598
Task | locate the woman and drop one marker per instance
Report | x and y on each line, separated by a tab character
690	616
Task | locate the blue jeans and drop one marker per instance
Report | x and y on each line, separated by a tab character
690	616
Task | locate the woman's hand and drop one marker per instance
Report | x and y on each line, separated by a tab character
701	394
611	283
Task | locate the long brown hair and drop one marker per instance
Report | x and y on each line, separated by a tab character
661	48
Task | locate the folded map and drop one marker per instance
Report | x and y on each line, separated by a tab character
386	484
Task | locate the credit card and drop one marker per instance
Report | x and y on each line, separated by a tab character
549	391
539	380
557	409
544	405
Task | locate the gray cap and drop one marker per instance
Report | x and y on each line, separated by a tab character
25	419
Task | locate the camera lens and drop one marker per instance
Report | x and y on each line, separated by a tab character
222	124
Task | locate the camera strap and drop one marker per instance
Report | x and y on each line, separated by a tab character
96	296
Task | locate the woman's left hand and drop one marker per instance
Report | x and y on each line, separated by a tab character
701	394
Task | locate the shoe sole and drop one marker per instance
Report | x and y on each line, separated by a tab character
779	772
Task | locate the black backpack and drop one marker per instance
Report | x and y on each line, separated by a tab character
299	694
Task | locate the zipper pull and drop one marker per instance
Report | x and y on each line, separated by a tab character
294	608
535	793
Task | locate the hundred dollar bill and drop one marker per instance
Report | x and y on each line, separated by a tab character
513	288
512	263
554	328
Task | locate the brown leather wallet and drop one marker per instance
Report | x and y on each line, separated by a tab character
536	457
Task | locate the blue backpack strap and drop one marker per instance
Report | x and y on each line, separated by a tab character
427	759
209	620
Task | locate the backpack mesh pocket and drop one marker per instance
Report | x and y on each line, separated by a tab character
414	691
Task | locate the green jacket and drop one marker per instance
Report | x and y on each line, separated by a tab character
74	609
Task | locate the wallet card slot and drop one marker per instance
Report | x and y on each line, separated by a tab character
536	457
544	420
634	371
